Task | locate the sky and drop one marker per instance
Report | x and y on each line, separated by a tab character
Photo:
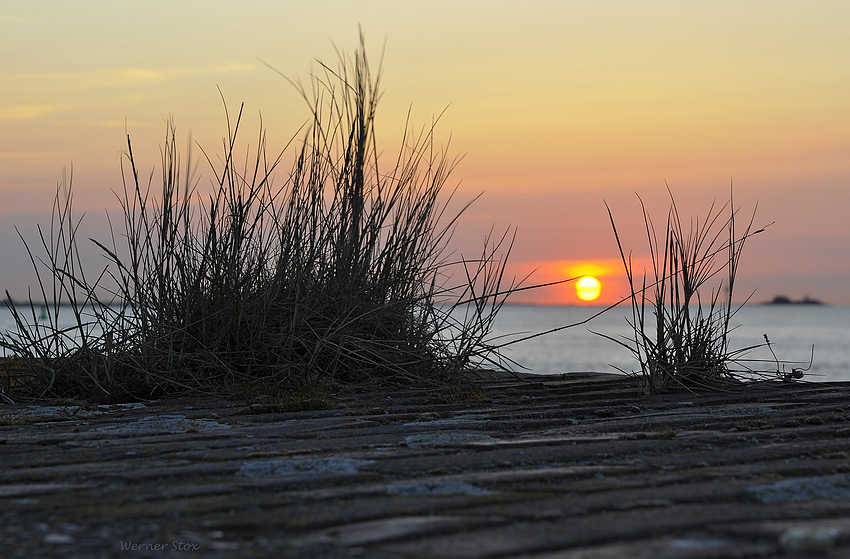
557	107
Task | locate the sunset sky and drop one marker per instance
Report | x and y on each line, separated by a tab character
558	106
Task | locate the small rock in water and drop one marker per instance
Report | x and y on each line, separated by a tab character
799	540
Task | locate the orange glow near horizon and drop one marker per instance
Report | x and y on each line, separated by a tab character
585	282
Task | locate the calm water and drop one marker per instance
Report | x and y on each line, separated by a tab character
792	330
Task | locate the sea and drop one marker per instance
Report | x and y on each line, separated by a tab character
560	339
815	338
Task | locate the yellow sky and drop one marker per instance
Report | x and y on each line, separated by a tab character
557	106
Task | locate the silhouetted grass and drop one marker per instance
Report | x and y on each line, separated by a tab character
687	346
338	275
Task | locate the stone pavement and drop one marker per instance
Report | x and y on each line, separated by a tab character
574	466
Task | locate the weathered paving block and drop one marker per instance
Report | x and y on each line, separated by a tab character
282	467
166	423
804	489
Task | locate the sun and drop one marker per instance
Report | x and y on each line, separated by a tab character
588	288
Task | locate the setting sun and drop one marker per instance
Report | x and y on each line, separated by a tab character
588	288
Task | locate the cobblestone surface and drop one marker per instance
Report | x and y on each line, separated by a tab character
580	465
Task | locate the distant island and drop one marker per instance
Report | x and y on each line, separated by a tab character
783	300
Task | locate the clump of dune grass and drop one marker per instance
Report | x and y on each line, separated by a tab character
337	274
681	333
